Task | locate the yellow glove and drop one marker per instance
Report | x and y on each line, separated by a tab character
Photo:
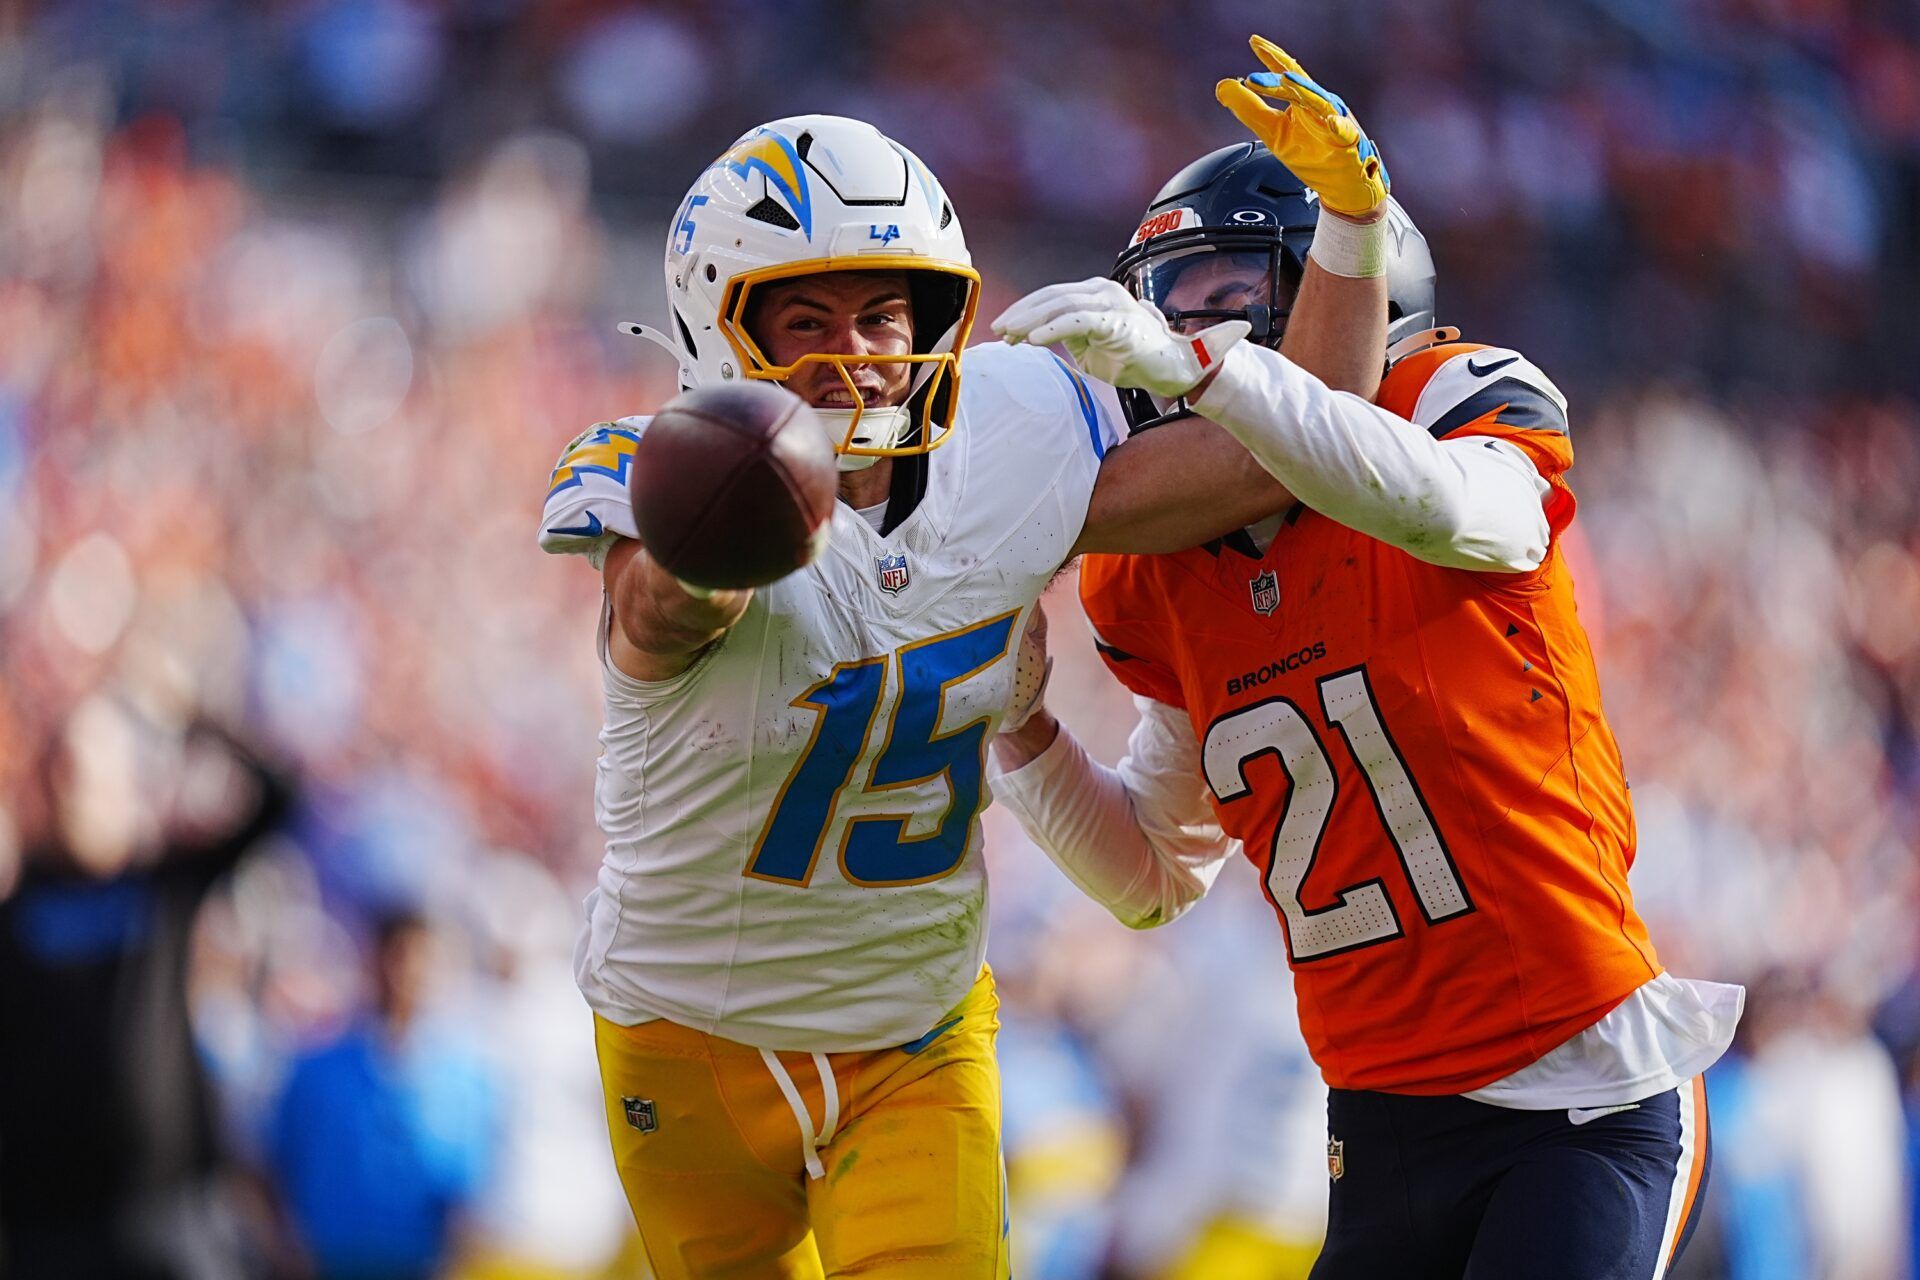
1311	132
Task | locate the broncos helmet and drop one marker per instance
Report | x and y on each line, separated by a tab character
1226	239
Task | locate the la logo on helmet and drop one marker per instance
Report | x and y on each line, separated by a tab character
885	235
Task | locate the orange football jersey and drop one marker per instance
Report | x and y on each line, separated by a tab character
1414	757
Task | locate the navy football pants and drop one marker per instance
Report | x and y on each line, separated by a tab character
1451	1189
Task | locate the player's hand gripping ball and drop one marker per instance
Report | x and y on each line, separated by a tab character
733	486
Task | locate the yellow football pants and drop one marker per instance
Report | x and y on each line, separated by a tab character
716	1168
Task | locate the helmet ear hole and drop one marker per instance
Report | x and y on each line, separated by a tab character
712	273
938	301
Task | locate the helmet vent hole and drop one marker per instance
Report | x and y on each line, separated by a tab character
946	216
803	144
686	334
769	210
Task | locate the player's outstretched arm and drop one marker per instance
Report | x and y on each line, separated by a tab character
660	624
1462	503
1467	502
1175	487
1338	327
1141	839
1184	483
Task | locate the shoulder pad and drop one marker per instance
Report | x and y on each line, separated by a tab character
1018	373
1038	382
1465	383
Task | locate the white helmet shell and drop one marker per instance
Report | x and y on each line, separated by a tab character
811	194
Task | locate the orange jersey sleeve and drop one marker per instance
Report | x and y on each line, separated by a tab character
1129	630
1467	389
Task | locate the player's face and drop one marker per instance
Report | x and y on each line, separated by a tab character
845	313
1216	281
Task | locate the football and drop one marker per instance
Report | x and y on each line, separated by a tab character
732	484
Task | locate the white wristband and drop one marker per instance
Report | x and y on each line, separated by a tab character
1356	250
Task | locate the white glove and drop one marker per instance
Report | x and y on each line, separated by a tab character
1031	669
1118	338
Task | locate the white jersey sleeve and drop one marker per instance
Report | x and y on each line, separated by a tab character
1046	429
1141	839
1462	503
588	505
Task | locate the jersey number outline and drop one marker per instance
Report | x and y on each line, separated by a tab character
1362	915
875	849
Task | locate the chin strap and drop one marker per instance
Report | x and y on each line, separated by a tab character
884	428
633	329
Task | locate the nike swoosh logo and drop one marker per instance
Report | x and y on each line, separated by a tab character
1581	1115
591	529
1482	370
915	1046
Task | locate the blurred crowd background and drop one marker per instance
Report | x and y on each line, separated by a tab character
300	299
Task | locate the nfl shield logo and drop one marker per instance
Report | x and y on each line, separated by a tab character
1266	594
893	573
640	1114
1336	1158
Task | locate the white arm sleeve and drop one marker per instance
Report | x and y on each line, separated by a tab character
1141	840
1471	502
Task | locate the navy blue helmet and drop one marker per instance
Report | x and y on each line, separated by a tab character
1226	239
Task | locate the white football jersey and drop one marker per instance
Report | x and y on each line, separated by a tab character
792	824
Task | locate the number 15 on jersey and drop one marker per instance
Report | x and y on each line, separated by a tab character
875	849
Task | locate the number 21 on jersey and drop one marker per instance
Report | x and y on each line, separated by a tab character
1363	913
875	849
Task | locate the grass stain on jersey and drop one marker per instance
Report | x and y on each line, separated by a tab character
963	928
954	935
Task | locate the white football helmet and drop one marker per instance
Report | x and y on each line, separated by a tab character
809	194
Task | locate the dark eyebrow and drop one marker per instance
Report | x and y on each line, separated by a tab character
803	300
1225	291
